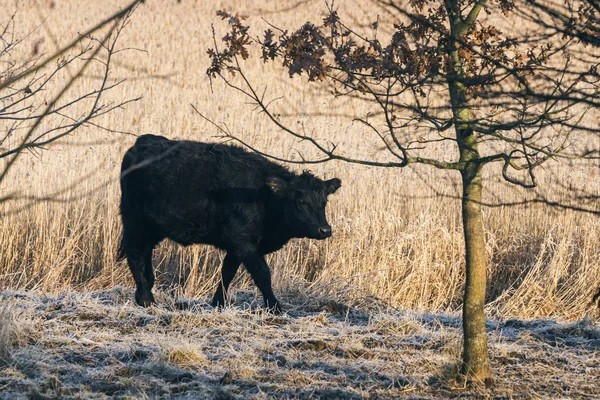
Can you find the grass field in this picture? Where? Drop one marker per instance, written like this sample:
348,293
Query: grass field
396,246
100,345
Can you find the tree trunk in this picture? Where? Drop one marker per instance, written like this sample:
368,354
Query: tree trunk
475,352
476,364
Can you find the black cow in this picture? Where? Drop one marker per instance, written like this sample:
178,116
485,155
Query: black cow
193,192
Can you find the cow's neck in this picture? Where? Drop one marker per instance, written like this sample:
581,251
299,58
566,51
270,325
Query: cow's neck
276,233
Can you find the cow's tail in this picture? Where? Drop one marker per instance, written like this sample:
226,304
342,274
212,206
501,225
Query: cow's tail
121,250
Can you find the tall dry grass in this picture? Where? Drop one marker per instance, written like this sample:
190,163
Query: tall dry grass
394,239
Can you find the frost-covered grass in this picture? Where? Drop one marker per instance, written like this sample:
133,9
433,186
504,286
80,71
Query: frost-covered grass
101,345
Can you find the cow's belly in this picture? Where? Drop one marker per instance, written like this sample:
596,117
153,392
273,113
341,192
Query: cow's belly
187,226
189,233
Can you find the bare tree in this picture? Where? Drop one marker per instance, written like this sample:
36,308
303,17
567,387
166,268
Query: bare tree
35,90
516,102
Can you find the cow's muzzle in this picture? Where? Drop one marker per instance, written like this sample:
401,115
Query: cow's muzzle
324,232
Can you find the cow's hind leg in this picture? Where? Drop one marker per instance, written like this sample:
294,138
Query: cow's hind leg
149,270
228,271
138,242
140,262
259,270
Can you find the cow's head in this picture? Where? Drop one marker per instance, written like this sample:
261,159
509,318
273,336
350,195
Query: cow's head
304,198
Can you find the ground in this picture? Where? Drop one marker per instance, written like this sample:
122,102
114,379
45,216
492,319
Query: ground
101,345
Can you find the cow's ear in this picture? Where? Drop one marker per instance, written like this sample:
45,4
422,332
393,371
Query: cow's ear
332,185
277,185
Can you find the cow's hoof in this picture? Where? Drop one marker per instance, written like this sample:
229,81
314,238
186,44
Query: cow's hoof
274,308
218,303
145,303
144,300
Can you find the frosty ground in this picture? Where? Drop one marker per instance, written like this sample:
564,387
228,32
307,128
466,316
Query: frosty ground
101,345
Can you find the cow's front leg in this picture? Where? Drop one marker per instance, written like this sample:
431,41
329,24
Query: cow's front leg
259,270
230,267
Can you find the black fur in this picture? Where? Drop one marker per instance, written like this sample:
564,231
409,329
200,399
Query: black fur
222,195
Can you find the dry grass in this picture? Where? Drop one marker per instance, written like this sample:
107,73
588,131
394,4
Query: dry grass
393,239
100,344
395,243
395,246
